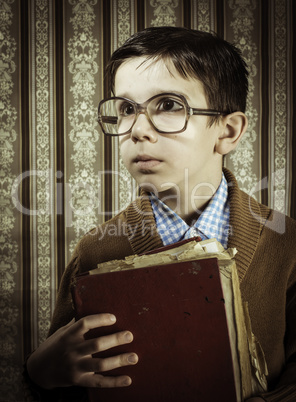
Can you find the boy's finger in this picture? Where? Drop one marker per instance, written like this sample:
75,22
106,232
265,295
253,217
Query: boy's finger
92,321
97,365
102,343
100,381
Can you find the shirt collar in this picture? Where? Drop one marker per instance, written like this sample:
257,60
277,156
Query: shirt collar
213,221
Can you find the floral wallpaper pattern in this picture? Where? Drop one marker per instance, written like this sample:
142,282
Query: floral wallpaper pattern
59,176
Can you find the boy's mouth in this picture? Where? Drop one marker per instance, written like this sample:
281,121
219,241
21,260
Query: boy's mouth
146,161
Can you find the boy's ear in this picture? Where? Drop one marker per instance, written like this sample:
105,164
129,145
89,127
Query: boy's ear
234,126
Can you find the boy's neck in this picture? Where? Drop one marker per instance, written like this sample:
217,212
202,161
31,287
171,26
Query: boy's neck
189,204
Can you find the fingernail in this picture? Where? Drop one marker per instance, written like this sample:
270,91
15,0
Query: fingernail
127,381
128,337
132,358
112,318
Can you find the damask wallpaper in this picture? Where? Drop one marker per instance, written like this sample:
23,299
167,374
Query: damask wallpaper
58,175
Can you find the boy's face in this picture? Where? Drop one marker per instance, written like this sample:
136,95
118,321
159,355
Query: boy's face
169,163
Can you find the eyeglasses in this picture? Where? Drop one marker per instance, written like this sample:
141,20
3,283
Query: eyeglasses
168,113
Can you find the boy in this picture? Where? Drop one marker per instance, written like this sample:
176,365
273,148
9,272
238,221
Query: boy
180,97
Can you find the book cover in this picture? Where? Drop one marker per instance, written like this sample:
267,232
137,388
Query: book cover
182,320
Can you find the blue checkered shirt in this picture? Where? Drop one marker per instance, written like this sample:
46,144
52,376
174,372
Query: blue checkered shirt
212,222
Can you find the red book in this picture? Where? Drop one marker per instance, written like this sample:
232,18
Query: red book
177,315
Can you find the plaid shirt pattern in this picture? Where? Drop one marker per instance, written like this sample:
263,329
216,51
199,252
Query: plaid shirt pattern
212,223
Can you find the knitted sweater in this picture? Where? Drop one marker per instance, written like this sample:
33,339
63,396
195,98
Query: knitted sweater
266,264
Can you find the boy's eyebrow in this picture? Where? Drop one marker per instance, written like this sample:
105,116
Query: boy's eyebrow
158,92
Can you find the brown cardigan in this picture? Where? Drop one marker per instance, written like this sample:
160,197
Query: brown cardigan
266,264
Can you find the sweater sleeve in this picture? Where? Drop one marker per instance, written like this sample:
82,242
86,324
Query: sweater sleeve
63,314
91,249
64,311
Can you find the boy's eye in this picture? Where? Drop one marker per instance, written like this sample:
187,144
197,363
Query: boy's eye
169,105
126,109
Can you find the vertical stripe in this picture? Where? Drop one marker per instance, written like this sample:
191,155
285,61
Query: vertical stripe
265,77
160,13
25,132
10,218
125,20
290,105
42,170
107,93
220,29
194,24
279,106
203,15
84,147
34,295
115,159
140,14
52,172
59,138
212,16
187,13
293,117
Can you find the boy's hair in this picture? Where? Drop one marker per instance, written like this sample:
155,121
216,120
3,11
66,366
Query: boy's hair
195,54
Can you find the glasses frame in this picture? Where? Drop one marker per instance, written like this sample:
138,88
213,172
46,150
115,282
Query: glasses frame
142,109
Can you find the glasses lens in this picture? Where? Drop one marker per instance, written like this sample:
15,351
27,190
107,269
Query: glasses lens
168,113
117,115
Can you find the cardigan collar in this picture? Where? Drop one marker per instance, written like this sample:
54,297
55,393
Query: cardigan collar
142,229
247,218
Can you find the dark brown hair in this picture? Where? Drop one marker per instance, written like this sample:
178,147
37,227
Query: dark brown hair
201,55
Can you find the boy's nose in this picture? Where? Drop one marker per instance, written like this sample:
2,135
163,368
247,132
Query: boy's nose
143,130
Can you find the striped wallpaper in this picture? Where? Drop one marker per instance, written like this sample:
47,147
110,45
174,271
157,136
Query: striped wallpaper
58,175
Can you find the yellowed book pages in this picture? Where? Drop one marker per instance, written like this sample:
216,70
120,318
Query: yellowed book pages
249,364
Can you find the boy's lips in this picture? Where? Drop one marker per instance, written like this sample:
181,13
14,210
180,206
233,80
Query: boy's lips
146,161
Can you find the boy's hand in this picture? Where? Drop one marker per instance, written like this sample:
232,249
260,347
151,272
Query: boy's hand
65,358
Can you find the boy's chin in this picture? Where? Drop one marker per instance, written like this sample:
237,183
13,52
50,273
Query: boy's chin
158,190
148,187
